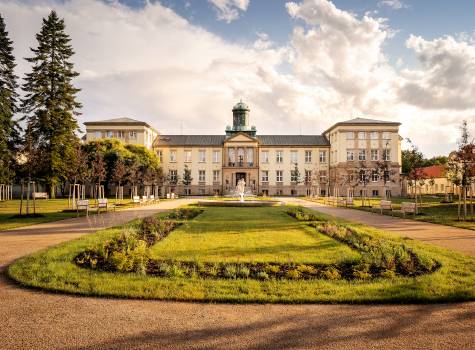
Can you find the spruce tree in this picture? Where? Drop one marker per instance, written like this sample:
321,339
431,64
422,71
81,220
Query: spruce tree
50,104
9,136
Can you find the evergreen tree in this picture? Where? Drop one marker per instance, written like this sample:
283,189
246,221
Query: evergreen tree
9,137
50,104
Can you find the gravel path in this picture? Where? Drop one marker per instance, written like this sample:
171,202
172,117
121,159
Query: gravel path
35,320
450,237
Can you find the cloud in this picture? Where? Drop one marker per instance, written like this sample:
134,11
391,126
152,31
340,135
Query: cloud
229,10
393,4
153,65
447,77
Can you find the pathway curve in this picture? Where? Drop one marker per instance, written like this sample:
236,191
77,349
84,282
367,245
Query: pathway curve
36,320
450,237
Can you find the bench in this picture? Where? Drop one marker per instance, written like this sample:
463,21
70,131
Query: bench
39,195
384,205
136,200
104,203
82,204
349,201
331,200
342,201
408,207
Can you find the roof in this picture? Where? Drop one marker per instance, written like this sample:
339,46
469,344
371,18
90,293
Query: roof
433,171
265,140
121,121
293,140
361,121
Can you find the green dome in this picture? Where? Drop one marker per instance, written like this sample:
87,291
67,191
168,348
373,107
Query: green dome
241,106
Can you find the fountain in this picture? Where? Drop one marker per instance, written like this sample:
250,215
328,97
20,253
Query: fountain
240,192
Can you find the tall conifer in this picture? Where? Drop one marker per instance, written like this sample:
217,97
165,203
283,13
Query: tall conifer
50,104
8,106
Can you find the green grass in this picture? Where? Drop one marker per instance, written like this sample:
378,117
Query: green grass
250,235
51,210
53,269
432,211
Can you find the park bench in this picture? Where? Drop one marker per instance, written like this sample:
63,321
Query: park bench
144,200
82,204
39,195
342,201
104,203
408,207
349,201
384,205
332,200
136,200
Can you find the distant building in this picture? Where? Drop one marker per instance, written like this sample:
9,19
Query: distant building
267,162
127,130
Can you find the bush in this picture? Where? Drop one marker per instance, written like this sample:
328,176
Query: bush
331,273
230,271
293,274
272,269
387,274
243,272
262,275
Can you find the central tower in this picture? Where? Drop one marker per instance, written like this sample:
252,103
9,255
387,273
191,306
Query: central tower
241,120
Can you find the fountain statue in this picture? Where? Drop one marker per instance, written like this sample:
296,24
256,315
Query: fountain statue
241,186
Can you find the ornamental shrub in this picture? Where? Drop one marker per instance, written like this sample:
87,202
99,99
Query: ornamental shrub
331,273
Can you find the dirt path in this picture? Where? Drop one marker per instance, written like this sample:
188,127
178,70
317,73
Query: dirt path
450,237
36,320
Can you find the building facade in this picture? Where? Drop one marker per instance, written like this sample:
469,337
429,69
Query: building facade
127,130
328,164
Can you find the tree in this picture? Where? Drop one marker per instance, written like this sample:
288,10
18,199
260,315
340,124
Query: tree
364,177
118,175
415,173
50,104
386,173
187,179
461,169
9,130
98,173
295,176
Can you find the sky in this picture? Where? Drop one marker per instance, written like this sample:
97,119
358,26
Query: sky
300,65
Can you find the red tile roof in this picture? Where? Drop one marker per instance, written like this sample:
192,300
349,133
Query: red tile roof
434,171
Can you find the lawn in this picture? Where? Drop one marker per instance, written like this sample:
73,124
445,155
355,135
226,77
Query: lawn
252,235
50,210
432,211
266,234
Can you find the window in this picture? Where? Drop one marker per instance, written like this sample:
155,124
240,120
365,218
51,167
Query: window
350,135
361,135
160,156
374,176
120,134
373,135
350,156
216,175
374,154
173,176
250,157
216,156
375,193
187,156
362,154
323,176
109,134
386,135
386,154
308,156
265,156
133,134
279,156
231,155
173,156
294,157
386,176
201,176
279,176
97,134
308,176
265,176
323,156
363,177
202,156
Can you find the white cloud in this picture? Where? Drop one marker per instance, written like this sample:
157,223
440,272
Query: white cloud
153,65
393,4
228,10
